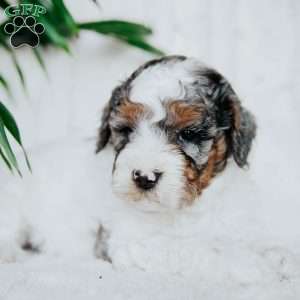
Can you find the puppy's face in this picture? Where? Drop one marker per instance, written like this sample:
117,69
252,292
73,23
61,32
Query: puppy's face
173,125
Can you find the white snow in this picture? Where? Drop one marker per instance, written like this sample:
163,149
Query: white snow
240,241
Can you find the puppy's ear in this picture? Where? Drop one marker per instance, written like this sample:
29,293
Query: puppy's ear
104,132
236,121
242,133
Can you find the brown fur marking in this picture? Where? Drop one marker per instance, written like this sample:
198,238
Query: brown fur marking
131,111
181,114
199,180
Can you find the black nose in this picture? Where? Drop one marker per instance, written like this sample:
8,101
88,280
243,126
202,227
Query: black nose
145,181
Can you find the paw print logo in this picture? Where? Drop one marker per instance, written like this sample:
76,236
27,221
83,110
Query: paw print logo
24,31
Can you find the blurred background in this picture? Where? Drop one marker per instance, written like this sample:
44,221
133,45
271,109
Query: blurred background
55,95
254,43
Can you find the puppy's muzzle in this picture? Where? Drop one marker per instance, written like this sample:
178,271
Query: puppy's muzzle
146,181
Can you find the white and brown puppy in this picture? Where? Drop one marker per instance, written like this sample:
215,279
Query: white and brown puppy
173,124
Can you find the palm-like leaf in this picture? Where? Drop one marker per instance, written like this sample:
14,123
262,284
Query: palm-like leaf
7,122
142,44
117,27
39,59
4,83
18,69
132,33
60,28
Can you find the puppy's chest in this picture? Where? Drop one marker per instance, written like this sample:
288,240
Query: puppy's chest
160,245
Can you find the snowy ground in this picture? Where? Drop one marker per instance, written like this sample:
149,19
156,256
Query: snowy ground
240,241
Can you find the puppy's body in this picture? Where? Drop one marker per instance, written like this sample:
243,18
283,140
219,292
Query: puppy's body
173,124
176,122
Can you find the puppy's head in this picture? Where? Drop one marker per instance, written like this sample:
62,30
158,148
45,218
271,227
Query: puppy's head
173,125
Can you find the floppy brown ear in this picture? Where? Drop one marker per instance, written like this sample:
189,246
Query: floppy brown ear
243,131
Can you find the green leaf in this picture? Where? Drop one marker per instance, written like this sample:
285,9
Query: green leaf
5,160
3,37
117,27
4,83
142,44
59,9
11,125
54,36
39,58
131,33
18,69
4,143
3,4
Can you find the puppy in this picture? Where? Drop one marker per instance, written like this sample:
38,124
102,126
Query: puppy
173,124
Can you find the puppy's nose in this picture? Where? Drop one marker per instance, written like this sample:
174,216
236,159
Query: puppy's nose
145,181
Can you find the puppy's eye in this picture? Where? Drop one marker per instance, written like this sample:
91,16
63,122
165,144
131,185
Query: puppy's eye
124,130
194,136
188,135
